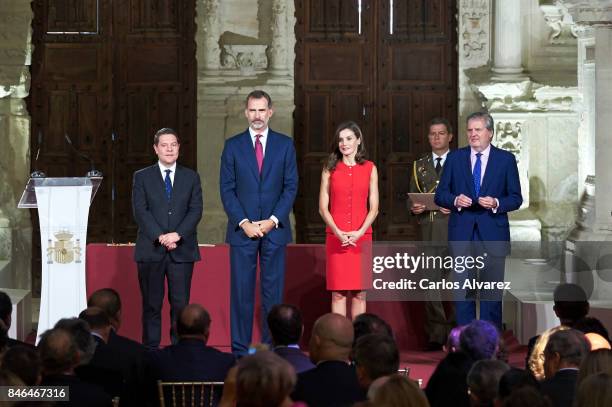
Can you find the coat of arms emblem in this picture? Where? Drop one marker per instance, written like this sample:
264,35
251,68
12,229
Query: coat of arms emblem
65,249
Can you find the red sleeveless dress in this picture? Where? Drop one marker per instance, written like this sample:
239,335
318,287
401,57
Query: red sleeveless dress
349,267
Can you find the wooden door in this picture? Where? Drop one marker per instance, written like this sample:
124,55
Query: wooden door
389,65
108,74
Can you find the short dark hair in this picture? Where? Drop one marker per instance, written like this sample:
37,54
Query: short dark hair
285,324
58,350
440,120
377,354
571,345
480,340
486,117
165,130
483,379
193,319
24,362
95,317
368,323
107,299
571,303
258,94
80,331
513,380
6,306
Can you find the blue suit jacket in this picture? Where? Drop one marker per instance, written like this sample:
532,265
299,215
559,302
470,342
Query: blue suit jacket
501,181
247,195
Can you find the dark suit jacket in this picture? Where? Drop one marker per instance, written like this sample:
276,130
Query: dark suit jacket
296,357
81,393
155,215
247,195
501,181
561,388
189,360
330,384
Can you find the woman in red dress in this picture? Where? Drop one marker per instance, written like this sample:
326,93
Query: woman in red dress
348,203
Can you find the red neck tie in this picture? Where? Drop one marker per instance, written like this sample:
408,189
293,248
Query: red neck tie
259,152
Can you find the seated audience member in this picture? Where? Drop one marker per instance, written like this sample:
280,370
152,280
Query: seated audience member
526,396
452,342
598,361
588,325
447,386
286,327
375,355
595,391
190,359
263,380
333,381
483,381
535,360
562,357
59,355
23,362
398,391
597,341
512,380
368,323
480,340
79,329
6,311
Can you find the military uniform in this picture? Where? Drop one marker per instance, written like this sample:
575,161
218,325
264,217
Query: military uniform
433,226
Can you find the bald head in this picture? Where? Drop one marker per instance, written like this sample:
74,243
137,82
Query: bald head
108,300
332,338
193,321
58,351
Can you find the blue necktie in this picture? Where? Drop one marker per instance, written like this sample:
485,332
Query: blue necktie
476,174
168,183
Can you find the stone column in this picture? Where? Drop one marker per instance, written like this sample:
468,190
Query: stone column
507,48
211,28
278,51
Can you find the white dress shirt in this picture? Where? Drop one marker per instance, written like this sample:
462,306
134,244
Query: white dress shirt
163,169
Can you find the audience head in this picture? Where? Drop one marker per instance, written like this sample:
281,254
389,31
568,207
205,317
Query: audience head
526,396
597,341
571,303
598,361
6,309
375,355
263,380
193,322
479,340
588,325
368,323
285,324
512,380
98,321
398,391
58,352
23,362
595,391
452,342
483,381
109,300
79,329
565,349
536,359
331,338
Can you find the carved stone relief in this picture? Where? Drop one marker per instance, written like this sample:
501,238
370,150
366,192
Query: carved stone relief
560,23
509,136
474,28
248,59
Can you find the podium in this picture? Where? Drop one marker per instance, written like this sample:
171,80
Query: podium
63,209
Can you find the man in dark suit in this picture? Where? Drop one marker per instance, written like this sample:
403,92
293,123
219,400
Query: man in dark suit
6,312
60,356
333,382
562,357
480,183
167,203
286,327
258,181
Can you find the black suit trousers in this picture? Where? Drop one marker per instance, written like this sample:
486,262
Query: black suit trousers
151,277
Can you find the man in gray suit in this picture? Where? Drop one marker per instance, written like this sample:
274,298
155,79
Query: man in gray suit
167,203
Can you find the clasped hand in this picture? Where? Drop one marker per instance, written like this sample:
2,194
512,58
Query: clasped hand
257,229
169,240
486,202
348,238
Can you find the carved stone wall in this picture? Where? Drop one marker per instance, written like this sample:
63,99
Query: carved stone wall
241,46
15,227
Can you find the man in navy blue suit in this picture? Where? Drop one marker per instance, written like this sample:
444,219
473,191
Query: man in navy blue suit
480,184
258,181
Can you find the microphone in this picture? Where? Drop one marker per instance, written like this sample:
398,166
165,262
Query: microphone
92,173
36,173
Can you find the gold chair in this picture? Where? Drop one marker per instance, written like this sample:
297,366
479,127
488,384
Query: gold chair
192,394
404,371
